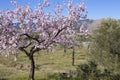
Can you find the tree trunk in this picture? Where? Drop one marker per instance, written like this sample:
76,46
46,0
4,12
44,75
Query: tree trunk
73,56
64,49
32,69
16,55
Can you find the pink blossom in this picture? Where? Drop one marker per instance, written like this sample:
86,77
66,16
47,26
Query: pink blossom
46,3
19,26
4,46
14,45
27,9
81,7
14,3
69,4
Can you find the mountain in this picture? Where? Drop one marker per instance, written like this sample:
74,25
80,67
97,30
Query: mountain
90,24
93,24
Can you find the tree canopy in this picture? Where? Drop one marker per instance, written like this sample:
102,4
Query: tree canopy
106,42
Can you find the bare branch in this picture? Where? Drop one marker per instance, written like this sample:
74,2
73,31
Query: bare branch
36,50
59,32
32,49
27,45
30,37
23,50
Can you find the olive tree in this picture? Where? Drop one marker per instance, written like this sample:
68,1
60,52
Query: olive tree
106,43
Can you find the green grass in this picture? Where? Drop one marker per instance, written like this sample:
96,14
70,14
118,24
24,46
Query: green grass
46,64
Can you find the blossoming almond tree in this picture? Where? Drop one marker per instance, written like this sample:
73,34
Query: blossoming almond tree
24,28
69,38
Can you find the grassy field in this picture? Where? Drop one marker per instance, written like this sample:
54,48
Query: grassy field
46,64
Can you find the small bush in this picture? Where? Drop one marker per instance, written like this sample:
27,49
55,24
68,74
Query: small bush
88,71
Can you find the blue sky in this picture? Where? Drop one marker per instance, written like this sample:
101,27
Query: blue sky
97,9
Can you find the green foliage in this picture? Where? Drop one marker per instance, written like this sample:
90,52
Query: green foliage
88,71
106,43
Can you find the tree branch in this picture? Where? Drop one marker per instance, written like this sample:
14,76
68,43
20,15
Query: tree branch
60,30
30,37
23,50
27,45
32,49
36,50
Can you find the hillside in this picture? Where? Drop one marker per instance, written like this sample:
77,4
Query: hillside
90,24
94,24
